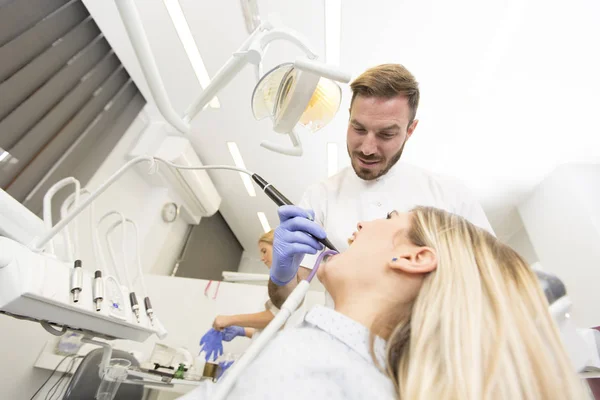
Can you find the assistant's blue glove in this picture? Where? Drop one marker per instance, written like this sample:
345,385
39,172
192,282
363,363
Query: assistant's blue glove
212,344
233,331
292,241
224,365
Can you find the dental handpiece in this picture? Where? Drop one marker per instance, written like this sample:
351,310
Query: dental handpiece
281,200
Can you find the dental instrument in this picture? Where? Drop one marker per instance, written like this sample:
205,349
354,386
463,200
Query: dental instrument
98,290
279,199
76,281
98,284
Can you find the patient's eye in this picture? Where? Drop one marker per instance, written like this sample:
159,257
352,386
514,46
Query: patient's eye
391,214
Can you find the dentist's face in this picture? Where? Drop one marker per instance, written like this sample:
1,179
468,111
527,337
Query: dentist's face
377,131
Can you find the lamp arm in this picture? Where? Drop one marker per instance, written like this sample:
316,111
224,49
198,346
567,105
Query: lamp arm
141,46
296,150
290,36
227,72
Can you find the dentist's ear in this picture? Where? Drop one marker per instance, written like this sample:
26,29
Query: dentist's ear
419,260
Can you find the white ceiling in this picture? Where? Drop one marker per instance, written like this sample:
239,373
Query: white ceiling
509,90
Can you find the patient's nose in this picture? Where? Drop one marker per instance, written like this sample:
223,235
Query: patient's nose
359,226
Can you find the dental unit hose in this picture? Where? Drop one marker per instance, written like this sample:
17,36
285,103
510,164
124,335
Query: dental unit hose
287,309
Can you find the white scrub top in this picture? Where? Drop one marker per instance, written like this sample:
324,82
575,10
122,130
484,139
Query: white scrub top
343,200
326,358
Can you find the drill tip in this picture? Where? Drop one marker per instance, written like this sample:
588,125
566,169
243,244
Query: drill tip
98,304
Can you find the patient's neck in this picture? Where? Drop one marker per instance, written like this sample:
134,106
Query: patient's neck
366,310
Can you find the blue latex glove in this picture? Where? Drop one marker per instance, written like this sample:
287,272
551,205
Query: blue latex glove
233,331
292,241
224,366
212,344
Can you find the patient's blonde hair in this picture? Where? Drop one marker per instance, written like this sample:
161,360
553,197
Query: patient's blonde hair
480,326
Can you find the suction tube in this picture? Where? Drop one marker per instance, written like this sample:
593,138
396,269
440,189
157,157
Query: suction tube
291,304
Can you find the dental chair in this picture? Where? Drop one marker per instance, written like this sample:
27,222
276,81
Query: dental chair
86,379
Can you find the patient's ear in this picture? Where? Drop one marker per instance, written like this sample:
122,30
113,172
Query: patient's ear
416,260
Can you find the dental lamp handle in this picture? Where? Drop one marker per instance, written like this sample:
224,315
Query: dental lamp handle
322,69
295,151
227,72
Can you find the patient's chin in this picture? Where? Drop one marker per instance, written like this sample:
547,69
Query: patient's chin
329,269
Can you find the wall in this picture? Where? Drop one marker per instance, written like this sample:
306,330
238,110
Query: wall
251,264
562,218
521,243
21,340
212,248
518,238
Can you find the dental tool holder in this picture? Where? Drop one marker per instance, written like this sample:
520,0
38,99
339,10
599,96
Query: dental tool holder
133,377
37,287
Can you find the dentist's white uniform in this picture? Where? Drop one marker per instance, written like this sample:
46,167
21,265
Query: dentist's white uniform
343,200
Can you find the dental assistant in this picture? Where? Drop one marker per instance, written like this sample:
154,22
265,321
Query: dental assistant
228,327
382,119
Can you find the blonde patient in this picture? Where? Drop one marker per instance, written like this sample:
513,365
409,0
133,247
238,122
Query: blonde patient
427,306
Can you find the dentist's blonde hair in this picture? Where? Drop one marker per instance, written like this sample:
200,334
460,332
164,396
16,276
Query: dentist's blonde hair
480,326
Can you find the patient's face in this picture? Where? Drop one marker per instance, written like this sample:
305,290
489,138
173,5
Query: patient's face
366,261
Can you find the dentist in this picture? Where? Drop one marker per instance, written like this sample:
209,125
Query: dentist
382,119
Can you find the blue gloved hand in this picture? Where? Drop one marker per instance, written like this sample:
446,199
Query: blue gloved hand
224,366
212,344
233,331
292,241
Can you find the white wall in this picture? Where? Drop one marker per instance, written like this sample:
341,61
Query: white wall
511,231
521,243
251,264
21,340
562,218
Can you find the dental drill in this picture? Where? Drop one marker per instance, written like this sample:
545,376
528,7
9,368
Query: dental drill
281,200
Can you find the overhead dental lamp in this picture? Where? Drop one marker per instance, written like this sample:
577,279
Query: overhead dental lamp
297,95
